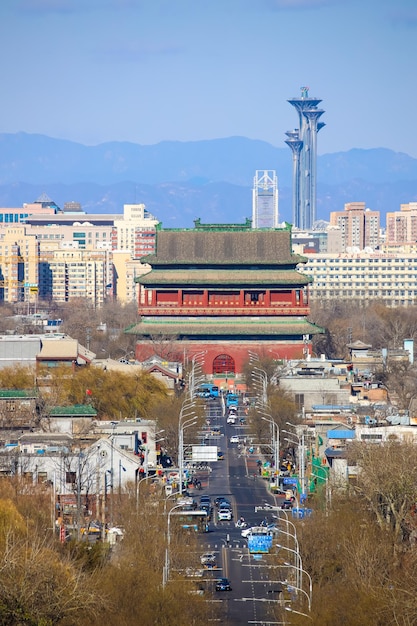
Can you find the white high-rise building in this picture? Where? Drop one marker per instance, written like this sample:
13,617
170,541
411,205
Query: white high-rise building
265,199
135,231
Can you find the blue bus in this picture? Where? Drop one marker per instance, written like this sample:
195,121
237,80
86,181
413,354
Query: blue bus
232,400
208,390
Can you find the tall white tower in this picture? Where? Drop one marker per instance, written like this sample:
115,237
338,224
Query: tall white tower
265,199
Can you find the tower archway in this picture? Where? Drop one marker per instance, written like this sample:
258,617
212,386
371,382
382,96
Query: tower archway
224,364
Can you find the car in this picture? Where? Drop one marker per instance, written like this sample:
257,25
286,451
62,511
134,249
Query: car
257,530
208,559
223,584
234,439
224,515
220,455
224,503
219,499
231,419
205,500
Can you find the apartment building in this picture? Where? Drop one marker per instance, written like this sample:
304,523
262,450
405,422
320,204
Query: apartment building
19,256
126,271
86,274
359,226
401,226
386,276
68,254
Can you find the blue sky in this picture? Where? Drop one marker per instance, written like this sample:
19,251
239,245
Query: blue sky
147,71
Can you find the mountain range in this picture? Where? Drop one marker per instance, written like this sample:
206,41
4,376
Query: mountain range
181,181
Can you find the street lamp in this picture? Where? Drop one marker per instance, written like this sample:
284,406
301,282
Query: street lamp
294,536
288,608
328,490
194,381
121,468
290,587
298,566
113,424
138,483
301,455
182,426
275,445
262,378
165,571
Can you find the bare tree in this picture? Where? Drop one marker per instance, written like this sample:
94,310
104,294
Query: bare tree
387,482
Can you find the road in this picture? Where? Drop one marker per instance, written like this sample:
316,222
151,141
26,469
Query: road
254,593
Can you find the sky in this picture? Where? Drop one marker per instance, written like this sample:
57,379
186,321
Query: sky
146,71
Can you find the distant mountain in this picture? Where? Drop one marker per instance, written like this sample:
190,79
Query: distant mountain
179,182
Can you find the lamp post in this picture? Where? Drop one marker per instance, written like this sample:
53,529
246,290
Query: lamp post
301,455
298,565
304,592
288,608
114,424
328,490
121,469
193,380
188,405
275,445
138,483
182,426
165,572
293,536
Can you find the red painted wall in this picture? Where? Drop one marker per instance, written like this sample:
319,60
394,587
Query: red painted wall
181,351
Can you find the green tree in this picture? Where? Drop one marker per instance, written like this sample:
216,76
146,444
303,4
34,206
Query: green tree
113,394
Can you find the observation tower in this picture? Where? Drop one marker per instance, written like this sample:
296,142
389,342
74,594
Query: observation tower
303,144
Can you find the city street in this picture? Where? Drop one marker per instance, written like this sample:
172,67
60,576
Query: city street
254,590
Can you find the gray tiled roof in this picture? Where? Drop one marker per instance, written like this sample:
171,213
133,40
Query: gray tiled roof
254,247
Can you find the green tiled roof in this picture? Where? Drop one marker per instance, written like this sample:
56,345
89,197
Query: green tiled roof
76,410
252,277
217,326
18,393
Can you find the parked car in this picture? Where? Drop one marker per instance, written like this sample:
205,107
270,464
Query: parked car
223,584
